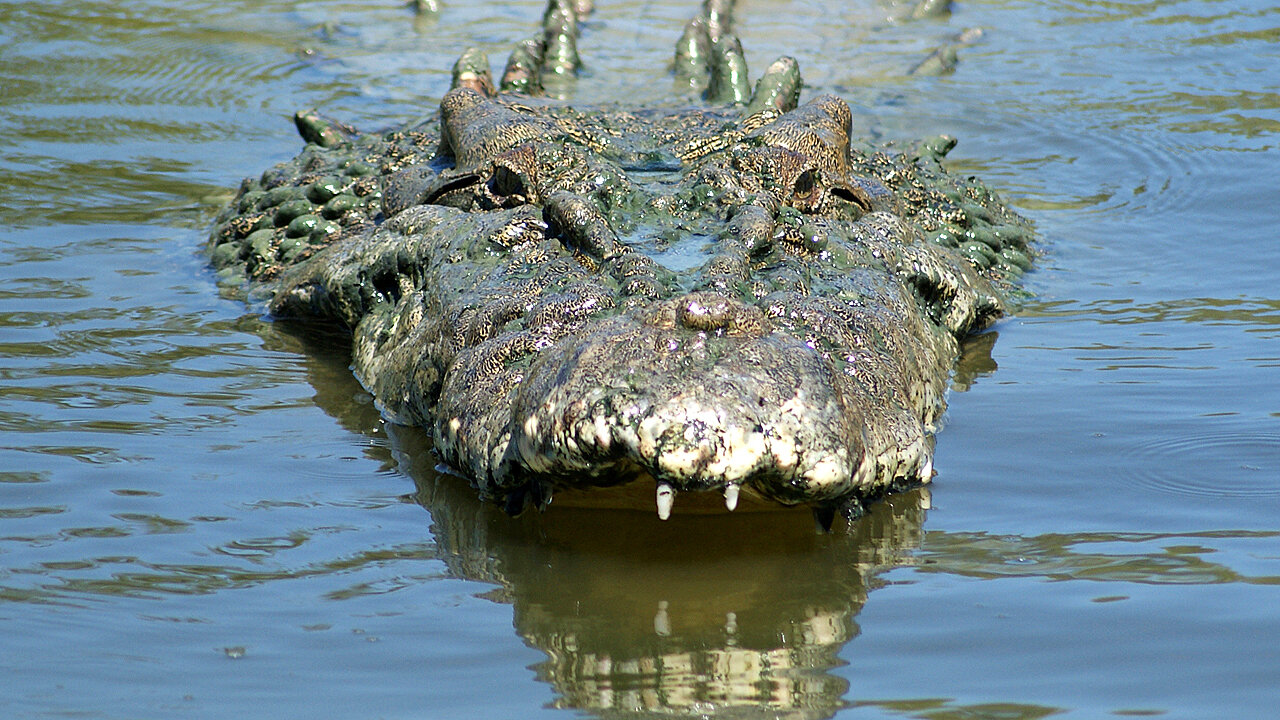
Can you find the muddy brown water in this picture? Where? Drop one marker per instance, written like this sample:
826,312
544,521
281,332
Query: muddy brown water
203,516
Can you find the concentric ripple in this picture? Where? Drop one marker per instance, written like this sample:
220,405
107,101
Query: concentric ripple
1214,465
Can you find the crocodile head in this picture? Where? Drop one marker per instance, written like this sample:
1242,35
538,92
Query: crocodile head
746,302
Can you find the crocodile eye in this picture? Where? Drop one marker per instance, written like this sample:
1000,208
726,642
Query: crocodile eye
806,187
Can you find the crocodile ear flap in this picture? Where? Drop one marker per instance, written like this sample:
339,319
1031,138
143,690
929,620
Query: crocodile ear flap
868,194
446,184
853,194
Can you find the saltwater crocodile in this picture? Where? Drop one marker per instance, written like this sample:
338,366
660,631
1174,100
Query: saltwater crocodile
741,297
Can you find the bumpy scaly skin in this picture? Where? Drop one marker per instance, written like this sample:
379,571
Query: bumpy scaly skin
696,297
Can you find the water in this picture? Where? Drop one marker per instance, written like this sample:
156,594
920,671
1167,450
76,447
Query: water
202,515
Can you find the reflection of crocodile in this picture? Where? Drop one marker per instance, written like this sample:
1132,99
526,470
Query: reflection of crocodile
741,298
742,616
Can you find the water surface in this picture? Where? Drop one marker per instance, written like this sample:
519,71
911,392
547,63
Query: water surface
202,515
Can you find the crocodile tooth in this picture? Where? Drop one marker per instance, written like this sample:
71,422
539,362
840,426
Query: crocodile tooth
666,498
731,496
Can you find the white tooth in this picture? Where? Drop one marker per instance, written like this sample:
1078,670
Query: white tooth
926,473
731,496
666,498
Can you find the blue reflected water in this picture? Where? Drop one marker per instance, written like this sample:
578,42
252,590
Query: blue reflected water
202,514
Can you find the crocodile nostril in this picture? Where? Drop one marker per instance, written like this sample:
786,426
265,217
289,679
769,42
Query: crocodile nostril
805,192
806,185
505,182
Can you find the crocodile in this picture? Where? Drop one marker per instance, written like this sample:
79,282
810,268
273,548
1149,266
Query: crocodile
735,295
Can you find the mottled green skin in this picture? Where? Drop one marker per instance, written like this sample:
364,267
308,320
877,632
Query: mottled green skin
577,298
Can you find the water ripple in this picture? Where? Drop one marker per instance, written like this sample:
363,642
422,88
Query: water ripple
1149,558
1254,314
1221,464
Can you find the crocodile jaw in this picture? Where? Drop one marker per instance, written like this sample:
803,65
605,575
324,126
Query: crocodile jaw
691,410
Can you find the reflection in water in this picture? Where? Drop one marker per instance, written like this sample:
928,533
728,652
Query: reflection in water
975,360
704,614
943,709
1148,558
1254,314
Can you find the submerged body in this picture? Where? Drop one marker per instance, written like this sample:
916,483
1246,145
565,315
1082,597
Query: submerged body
740,299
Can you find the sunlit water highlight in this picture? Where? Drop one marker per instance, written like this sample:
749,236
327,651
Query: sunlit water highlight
202,514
